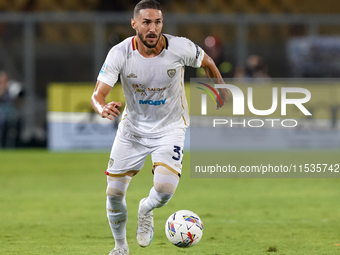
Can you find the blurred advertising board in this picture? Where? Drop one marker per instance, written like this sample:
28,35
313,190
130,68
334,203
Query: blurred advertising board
71,121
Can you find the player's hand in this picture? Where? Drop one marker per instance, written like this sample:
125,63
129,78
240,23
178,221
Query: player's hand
110,110
224,95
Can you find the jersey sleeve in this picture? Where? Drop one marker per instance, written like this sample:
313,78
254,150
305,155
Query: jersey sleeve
112,67
192,53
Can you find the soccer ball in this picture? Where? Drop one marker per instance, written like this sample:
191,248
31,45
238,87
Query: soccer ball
184,228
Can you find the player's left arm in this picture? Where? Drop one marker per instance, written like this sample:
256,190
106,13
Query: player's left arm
214,74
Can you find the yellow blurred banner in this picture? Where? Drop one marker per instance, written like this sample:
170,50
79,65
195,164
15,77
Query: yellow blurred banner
75,97
325,98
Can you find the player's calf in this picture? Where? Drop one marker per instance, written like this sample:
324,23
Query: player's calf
165,183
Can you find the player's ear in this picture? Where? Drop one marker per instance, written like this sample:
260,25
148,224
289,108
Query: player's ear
133,23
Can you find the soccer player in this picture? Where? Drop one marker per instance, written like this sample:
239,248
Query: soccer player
155,118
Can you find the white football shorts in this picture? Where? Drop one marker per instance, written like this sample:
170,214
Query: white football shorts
129,152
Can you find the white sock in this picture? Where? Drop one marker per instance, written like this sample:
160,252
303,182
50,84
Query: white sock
117,216
165,184
116,209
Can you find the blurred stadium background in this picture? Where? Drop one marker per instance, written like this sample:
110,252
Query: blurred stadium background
49,41
51,52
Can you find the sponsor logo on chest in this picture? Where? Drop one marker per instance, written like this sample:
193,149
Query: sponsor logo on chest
151,102
131,75
140,89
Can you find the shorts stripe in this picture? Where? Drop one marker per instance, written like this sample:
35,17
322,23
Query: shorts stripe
168,167
134,172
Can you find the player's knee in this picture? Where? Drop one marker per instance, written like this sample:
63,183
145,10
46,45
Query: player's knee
117,186
165,184
115,193
165,188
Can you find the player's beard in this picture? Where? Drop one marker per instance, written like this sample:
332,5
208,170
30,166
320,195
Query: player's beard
146,43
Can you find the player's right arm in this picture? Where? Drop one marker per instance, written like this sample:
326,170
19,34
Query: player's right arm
107,78
106,110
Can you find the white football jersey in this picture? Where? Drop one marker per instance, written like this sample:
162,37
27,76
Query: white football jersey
153,87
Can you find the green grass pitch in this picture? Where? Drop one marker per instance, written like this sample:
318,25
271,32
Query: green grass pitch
54,203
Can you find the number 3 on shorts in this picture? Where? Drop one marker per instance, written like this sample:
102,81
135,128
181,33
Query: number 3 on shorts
178,150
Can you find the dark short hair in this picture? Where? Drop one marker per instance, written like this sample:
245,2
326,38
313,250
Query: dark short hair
146,4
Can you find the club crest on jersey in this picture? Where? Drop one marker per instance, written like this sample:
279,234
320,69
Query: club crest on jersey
139,88
171,72
111,161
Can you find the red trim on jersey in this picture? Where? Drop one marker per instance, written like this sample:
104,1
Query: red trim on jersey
134,43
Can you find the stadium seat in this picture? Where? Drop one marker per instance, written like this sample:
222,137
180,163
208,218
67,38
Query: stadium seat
52,33
47,5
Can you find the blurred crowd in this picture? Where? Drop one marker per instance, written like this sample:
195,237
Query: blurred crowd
254,68
181,6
